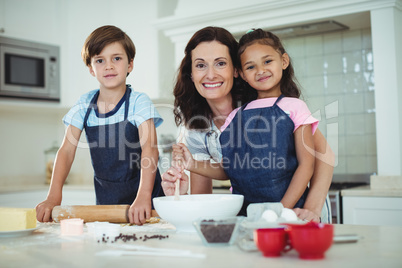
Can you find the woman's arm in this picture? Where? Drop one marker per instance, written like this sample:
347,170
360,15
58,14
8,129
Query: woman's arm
62,165
305,156
169,178
200,184
182,157
321,180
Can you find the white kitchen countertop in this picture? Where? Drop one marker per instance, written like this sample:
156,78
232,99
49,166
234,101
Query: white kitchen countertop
379,246
367,191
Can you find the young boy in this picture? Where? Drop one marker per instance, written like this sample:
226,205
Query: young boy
120,128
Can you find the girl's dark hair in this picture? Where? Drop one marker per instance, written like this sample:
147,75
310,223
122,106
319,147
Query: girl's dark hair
190,107
289,85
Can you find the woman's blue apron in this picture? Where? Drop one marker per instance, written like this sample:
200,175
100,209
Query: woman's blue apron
116,159
258,154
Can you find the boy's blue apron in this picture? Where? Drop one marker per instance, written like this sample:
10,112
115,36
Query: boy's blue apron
116,159
258,154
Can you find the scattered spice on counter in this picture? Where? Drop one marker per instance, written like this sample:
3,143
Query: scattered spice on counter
217,232
133,237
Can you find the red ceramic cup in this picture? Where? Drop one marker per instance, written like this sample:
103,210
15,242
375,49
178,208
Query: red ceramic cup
311,240
271,241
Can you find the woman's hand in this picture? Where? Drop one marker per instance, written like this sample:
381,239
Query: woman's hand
182,157
307,215
169,178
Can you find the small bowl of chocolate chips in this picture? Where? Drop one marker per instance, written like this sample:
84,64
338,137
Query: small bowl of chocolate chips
218,231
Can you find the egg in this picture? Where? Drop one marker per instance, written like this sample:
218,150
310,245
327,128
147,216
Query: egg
288,215
269,215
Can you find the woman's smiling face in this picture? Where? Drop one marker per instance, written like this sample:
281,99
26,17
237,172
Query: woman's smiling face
212,70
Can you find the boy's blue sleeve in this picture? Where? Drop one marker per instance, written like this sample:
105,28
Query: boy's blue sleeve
143,109
75,116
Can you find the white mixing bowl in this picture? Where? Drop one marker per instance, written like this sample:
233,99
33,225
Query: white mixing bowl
181,213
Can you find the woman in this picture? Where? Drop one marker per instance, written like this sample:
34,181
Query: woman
207,90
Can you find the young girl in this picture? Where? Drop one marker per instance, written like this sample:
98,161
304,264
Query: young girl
120,128
267,144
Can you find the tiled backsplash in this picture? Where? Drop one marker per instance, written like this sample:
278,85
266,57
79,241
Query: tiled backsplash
336,73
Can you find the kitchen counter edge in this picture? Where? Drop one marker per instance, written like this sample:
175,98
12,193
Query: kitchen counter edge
369,192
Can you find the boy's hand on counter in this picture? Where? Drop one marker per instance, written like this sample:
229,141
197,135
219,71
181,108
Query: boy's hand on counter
44,210
140,210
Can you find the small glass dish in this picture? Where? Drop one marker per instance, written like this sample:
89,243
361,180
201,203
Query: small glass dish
218,231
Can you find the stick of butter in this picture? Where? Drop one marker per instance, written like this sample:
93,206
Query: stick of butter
13,219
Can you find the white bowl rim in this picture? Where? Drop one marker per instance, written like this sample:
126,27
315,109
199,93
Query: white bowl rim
203,197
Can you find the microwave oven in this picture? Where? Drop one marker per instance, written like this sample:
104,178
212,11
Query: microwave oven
29,70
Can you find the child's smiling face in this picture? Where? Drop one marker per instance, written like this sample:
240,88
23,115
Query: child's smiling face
262,68
111,66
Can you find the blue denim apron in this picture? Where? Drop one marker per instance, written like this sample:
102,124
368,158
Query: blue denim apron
116,159
258,154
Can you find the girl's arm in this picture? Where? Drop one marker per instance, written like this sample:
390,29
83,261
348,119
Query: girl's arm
321,180
305,156
183,158
140,210
62,165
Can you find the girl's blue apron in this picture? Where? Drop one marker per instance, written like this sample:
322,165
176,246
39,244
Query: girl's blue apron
116,159
258,154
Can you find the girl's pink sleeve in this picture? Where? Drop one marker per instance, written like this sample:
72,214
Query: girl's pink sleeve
300,114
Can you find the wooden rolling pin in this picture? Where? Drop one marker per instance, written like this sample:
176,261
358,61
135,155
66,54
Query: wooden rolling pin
109,213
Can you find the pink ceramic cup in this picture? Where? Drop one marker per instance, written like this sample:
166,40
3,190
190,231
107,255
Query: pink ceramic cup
271,241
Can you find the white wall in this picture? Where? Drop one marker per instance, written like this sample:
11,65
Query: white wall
85,16
387,43
336,73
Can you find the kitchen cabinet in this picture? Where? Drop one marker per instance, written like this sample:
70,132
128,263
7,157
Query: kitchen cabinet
366,206
35,22
372,210
2,12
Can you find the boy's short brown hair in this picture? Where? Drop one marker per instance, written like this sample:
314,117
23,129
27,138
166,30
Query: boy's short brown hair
103,36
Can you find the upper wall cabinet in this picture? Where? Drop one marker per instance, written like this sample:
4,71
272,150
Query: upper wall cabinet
30,21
